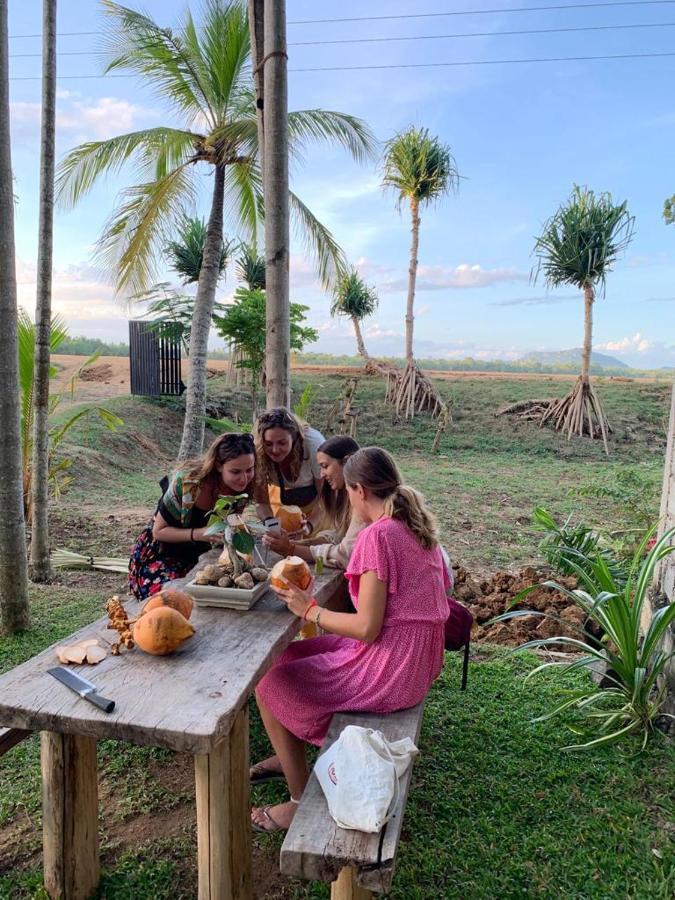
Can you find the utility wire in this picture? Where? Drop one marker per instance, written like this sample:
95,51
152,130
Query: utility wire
434,65
417,37
464,12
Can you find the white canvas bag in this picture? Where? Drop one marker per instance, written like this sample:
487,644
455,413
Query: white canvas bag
359,775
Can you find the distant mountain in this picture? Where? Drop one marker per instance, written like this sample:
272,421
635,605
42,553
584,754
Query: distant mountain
565,357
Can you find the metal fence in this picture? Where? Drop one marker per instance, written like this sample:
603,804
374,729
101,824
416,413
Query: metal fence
154,361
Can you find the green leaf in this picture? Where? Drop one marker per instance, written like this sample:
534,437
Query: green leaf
243,542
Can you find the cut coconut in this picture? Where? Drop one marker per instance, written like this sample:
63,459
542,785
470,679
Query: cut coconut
75,654
95,654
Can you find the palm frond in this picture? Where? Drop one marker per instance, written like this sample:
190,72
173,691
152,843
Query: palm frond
141,227
581,242
352,297
336,128
82,166
244,199
319,242
224,52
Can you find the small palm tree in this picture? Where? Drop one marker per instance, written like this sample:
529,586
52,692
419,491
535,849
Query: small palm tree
186,253
250,268
353,298
579,245
421,170
203,72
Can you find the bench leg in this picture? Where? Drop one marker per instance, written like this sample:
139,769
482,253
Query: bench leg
223,817
346,887
69,815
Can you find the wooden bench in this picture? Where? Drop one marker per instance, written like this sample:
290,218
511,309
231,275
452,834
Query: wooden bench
357,864
10,737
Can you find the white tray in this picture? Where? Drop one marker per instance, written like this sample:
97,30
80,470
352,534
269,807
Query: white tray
228,598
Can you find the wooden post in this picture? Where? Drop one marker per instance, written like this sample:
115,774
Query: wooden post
346,886
69,815
223,817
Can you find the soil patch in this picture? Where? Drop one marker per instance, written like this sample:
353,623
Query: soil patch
102,372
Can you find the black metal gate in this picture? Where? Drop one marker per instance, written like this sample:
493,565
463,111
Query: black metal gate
154,361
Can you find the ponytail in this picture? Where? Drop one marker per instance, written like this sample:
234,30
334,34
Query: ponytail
407,505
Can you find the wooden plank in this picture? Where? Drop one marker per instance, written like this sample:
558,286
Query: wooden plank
10,737
186,701
346,887
69,815
667,515
223,810
316,849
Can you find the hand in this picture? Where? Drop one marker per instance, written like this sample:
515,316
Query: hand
296,600
280,544
200,534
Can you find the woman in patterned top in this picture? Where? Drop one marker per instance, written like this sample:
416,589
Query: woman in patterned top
173,540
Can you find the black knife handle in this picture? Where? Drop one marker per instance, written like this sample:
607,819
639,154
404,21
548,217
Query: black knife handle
102,703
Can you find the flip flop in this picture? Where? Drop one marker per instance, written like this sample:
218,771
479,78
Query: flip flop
274,826
260,774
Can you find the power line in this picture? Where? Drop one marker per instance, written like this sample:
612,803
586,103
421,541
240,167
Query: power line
434,65
419,37
463,12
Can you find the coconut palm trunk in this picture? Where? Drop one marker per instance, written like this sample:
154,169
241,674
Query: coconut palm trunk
589,297
14,608
412,279
39,545
195,400
359,339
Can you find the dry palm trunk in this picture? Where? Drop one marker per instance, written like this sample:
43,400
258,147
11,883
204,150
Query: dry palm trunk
195,403
412,278
39,546
359,339
14,608
580,412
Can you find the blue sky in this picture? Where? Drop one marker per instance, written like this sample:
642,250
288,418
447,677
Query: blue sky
521,134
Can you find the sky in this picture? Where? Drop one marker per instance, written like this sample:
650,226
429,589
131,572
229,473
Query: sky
522,135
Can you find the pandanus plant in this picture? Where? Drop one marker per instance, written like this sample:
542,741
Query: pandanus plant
633,689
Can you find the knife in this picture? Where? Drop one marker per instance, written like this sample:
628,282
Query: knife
81,686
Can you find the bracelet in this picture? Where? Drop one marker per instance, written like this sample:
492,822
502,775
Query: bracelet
192,535
310,605
318,617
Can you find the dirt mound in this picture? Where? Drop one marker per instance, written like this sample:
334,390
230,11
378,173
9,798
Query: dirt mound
101,372
493,596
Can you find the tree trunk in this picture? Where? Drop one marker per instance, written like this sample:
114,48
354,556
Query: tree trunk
256,24
13,575
39,545
278,331
412,277
359,339
195,397
589,297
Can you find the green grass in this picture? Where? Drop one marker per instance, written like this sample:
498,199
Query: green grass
497,809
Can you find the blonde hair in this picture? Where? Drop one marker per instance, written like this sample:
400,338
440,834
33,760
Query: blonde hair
221,450
279,417
374,469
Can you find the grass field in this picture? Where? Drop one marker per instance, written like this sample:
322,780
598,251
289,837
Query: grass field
497,808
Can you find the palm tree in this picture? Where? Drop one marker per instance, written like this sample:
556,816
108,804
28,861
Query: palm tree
421,170
352,297
41,569
14,608
579,245
205,74
186,253
250,268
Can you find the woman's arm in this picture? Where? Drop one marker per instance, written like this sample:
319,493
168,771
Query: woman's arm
169,534
364,625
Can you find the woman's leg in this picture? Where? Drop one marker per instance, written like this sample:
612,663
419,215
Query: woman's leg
290,751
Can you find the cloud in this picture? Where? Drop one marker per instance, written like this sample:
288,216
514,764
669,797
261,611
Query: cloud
660,300
641,352
100,118
634,344
464,276
543,300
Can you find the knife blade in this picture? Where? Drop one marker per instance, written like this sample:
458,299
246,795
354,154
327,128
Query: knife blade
81,686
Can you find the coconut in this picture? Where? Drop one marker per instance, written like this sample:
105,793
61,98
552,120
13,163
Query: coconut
290,518
292,569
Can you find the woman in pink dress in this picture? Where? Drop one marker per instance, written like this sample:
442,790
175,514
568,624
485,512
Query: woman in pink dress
382,658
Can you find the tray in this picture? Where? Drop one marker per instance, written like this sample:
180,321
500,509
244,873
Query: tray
227,598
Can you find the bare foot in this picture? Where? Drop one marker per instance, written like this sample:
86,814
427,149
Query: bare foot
273,818
270,766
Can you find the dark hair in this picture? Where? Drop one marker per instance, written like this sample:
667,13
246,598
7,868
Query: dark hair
336,503
374,469
221,450
279,417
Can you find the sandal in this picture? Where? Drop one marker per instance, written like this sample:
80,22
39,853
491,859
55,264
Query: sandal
274,825
260,774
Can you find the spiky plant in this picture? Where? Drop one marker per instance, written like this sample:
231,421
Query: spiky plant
353,298
579,246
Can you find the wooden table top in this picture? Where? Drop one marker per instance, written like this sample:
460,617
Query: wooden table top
186,701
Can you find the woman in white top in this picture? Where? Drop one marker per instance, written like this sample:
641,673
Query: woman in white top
286,458
334,545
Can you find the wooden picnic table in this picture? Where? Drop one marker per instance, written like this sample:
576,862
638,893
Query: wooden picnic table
193,701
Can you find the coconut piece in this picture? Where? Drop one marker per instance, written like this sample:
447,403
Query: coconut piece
225,581
88,642
245,581
259,574
75,654
61,654
95,654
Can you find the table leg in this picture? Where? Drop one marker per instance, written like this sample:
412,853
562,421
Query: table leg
223,817
69,815
346,887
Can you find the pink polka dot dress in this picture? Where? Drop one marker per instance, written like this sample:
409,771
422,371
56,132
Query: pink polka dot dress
318,677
